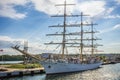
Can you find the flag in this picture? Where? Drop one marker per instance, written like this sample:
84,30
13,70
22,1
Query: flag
1,50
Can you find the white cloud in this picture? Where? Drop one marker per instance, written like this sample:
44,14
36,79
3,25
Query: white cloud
118,1
109,10
113,47
110,29
6,38
7,8
48,6
116,27
7,42
92,8
107,13
89,7
112,16
34,47
114,44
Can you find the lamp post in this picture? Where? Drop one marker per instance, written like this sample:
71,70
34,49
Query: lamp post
1,50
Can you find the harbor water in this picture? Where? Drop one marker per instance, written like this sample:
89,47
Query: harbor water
105,72
10,62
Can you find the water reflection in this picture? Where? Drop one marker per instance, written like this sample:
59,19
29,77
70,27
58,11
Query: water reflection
35,77
107,72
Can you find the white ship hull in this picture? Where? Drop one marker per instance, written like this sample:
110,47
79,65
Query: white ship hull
54,68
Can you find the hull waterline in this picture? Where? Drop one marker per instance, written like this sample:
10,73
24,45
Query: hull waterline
56,68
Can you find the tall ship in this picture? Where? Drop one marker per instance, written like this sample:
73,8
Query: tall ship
63,62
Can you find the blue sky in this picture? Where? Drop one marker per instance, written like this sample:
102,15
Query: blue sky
29,20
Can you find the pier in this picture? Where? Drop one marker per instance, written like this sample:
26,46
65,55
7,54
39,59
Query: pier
21,72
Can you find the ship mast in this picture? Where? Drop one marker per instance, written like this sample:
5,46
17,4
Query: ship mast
64,27
82,34
92,37
64,31
81,44
64,34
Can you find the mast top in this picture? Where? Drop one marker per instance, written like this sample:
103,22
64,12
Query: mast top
64,4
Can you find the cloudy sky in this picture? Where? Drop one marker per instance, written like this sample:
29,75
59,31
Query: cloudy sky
29,20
